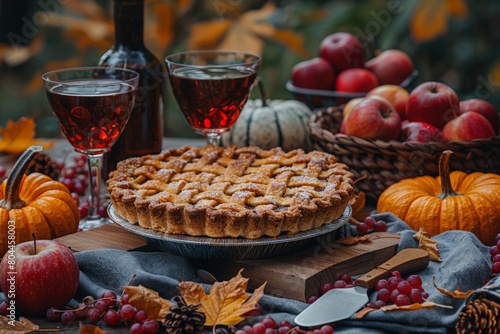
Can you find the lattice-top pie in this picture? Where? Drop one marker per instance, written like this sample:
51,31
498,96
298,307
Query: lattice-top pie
231,192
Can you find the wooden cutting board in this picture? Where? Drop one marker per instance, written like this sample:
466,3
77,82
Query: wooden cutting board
300,274
296,276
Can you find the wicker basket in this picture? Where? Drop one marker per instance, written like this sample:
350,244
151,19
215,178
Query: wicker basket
383,163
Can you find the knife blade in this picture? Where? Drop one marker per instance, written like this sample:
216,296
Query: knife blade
338,304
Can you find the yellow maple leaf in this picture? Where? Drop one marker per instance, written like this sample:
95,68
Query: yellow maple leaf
18,136
430,18
227,301
148,300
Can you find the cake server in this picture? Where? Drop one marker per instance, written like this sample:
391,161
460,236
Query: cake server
338,304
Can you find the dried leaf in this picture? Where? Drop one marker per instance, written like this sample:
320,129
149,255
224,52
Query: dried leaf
23,325
90,329
426,243
458,293
364,311
415,306
149,301
205,35
18,136
226,302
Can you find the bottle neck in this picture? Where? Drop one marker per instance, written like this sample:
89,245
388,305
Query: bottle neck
129,23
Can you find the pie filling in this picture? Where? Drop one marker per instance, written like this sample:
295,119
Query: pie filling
231,192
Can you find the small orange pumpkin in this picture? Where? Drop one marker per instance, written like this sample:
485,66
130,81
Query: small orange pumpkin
450,201
34,204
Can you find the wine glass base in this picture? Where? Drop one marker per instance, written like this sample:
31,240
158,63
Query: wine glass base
90,223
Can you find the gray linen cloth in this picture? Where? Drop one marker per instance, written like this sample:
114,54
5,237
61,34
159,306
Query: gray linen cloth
466,265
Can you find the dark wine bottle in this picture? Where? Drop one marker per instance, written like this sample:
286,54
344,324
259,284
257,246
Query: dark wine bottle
144,131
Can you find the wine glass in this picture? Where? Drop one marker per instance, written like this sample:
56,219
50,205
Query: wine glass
92,106
211,87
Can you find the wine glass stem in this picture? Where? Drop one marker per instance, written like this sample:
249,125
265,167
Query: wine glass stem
213,139
94,166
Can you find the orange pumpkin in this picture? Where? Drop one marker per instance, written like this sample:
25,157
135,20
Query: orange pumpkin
451,201
34,204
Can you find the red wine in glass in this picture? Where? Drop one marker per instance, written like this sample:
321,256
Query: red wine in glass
92,115
211,98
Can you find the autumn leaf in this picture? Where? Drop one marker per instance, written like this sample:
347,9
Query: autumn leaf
414,306
90,329
23,325
426,243
18,136
458,294
430,18
149,301
226,302
246,32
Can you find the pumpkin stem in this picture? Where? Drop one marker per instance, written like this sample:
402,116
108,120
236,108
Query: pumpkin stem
262,91
444,173
13,185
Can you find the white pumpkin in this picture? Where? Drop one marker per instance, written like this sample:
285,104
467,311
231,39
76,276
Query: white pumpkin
277,123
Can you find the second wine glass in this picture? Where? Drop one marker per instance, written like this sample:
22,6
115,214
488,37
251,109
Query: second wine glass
211,87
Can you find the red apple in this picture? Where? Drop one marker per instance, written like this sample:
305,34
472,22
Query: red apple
315,73
36,281
422,132
373,118
391,67
468,126
355,80
343,50
396,95
432,102
484,108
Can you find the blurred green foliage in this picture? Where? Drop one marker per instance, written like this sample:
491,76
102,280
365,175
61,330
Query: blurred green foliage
465,55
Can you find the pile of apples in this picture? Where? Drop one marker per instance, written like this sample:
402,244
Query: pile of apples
432,112
341,66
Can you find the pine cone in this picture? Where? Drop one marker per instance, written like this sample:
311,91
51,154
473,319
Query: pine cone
42,163
184,319
479,316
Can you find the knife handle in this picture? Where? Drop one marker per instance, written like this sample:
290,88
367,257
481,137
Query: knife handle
407,260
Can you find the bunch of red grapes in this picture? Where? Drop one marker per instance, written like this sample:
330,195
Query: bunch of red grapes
269,326
370,224
495,256
394,290
113,311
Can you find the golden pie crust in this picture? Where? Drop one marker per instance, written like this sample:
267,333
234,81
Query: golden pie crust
231,192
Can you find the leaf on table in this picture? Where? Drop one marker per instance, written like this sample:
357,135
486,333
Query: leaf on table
23,325
16,137
364,311
412,307
227,301
148,300
90,329
458,293
426,243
